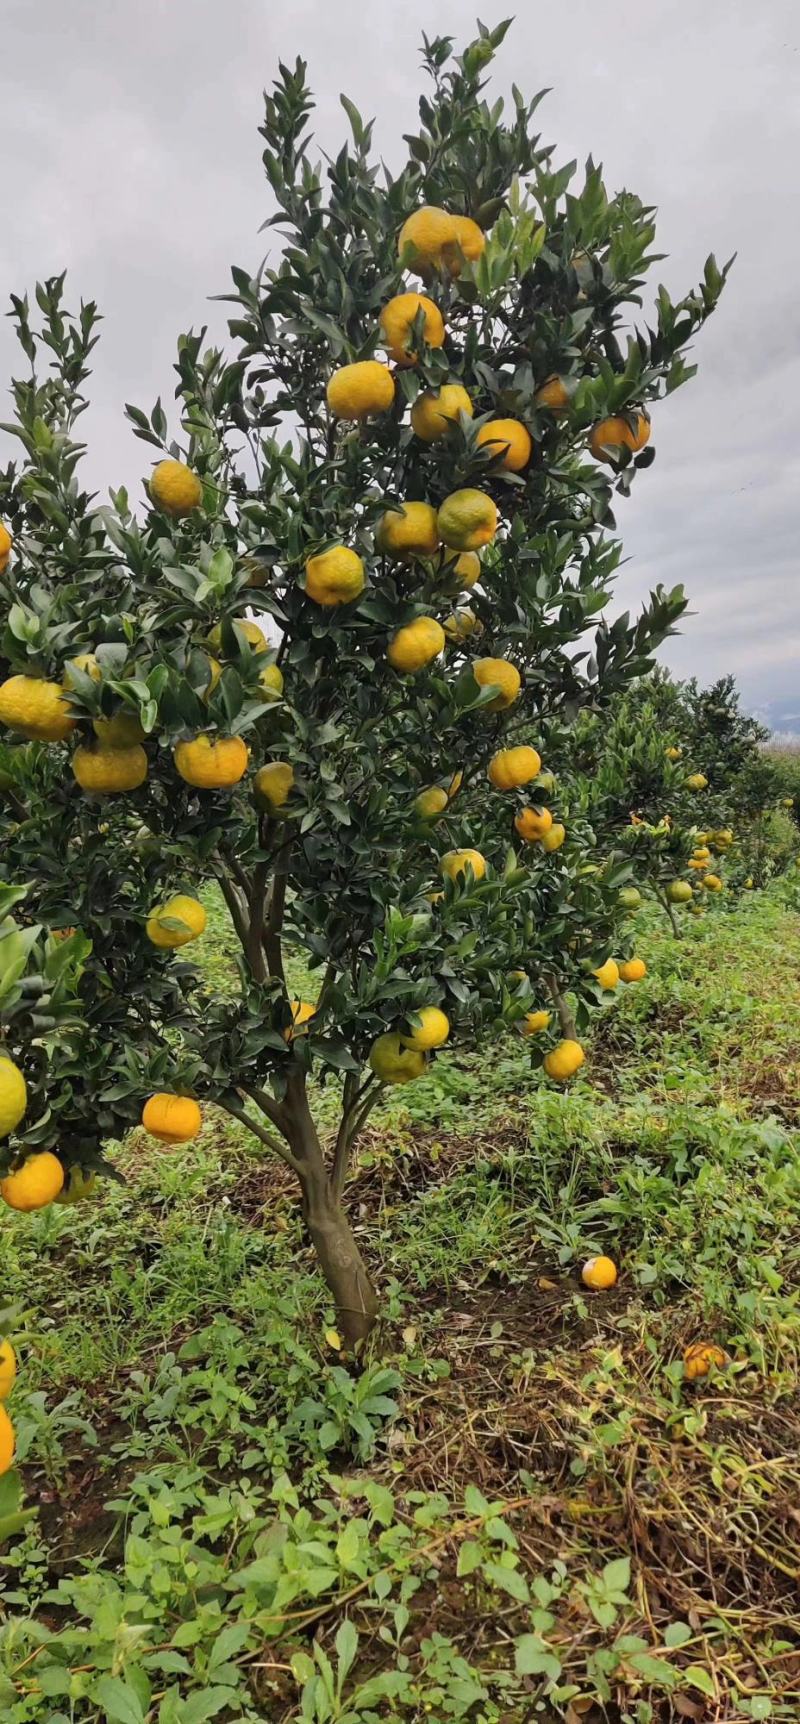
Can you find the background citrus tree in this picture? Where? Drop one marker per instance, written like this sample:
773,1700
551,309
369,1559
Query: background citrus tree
349,780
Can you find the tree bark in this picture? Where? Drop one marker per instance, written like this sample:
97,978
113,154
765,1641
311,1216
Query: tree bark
341,1263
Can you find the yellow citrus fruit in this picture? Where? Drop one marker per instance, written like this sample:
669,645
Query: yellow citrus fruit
461,570
434,411
302,1012
554,837
699,862
607,975
599,1272
633,970
553,394
498,673
35,708
212,762
35,1184
564,1060
614,433
254,635
7,1442
673,753
712,883
534,1023
271,682
107,771
392,1062
423,237
513,766
699,1357
433,1029
701,853
397,321
467,519
335,577
454,864
8,1369
175,488
724,837
748,885
13,1095
78,1187
509,439
431,802
455,784
273,784
86,662
461,624
678,891
6,542
467,246
696,781
121,731
187,911
414,646
408,531
171,1118
358,391
533,823
214,674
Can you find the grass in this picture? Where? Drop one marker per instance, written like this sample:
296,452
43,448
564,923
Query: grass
519,1509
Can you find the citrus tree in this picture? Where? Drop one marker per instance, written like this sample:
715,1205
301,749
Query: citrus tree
405,465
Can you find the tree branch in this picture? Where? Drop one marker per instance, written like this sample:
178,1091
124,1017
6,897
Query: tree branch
268,1105
565,1018
235,908
352,1123
272,932
256,944
282,1150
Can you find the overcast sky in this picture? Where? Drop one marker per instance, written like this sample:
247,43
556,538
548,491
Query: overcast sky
131,157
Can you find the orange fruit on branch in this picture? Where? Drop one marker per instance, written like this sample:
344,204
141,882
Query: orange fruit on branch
171,1118
361,390
35,1184
175,488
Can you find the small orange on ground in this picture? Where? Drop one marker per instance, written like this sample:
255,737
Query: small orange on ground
564,1060
35,1184
8,1369
408,531
175,488
432,1030
699,1357
633,970
534,1023
171,1118
501,674
433,413
608,975
415,645
454,864
511,767
553,394
423,237
212,762
335,577
615,433
509,439
7,1442
109,771
361,390
467,520
599,1272
554,838
533,823
397,322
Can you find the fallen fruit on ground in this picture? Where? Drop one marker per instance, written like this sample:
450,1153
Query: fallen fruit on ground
599,1272
700,1356
35,1184
171,1118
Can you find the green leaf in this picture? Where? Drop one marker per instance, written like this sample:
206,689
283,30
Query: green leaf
119,1702
204,1705
533,1657
699,1678
677,1634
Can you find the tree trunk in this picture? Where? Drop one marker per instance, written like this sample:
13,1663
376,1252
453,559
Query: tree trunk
338,1255
341,1263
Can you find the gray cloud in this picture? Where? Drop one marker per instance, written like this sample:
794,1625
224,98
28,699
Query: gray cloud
136,164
